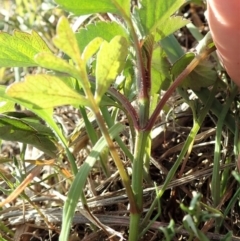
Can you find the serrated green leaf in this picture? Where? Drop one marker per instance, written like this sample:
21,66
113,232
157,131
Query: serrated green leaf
202,76
35,41
45,114
167,27
91,48
50,61
110,62
45,91
80,180
36,134
104,30
66,40
82,7
19,49
155,16
151,12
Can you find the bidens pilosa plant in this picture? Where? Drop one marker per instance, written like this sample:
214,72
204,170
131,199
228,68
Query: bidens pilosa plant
122,62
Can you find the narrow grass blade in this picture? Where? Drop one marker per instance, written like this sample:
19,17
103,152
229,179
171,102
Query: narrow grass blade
216,164
79,182
191,136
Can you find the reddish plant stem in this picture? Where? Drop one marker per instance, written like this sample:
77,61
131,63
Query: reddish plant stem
175,84
126,105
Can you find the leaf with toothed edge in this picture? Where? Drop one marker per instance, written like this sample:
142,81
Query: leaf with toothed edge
66,41
202,76
156,17
82,7
104,30
45,91
110,62
19,49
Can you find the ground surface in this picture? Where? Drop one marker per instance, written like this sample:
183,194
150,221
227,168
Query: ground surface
39,218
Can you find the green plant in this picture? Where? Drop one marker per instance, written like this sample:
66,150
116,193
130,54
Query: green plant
108,63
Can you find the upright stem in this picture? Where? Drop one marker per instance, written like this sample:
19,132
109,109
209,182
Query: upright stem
96,110
137,180
114,154
118,162
141,135
141,78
